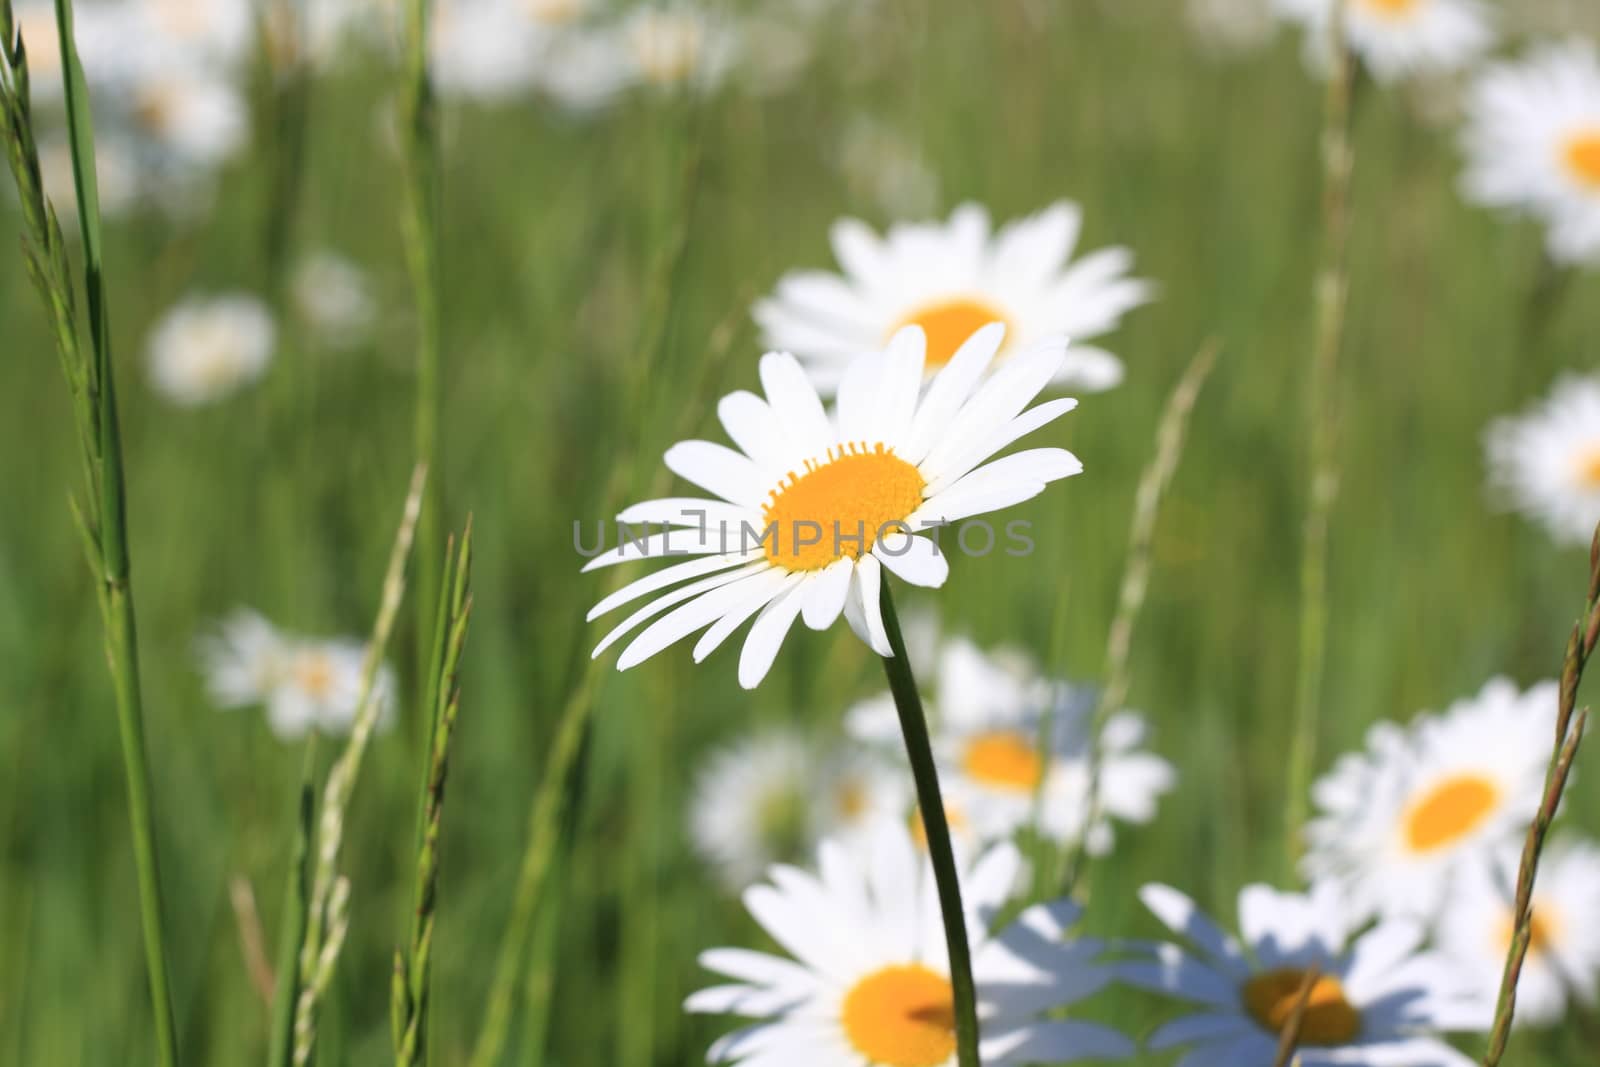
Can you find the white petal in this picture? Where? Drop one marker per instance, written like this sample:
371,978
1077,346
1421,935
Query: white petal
1035,417
751,426
678,572
687,619
1055,1041
766,636
756,596
827,592
677,596
915,559
864,594
718,469
950,389
795,404
691,512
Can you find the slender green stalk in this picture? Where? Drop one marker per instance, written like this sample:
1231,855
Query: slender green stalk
936,826
297,905
103,525
1153,485
1332,286
413,965
328,913
1570,725
419,126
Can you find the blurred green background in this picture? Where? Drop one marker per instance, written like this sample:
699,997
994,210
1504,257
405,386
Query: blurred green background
558,266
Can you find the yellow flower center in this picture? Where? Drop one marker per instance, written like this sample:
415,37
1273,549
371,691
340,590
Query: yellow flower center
919,833
313,673
852,799
1329,1019
901,1016
839,507
1582,154
1450,811
1393,8
1004,759
1542,932
1589,467
949,323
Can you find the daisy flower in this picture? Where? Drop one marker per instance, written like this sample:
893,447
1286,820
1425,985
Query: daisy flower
990,709
196,117
868,984
1533,144
1563,961
883,167
949,279
1396,39
811,507
1398,822
1546,463
678,46
1377,1000
334,299
304,683
772,796
206,349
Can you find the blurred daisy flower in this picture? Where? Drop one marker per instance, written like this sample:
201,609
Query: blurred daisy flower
1230,27
196,118
869,977
1397,39
991,709
1563,962
949,279
672,47
885,169
1398,822
304,683
810,508
333,298
1533,144
1375,1000
208,348
772,796
1546,463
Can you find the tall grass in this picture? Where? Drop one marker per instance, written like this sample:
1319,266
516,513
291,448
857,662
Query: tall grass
1322,474
102,514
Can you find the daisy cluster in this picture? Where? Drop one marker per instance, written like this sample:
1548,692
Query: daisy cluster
911,371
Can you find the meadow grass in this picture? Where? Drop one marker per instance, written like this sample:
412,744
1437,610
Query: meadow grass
567,358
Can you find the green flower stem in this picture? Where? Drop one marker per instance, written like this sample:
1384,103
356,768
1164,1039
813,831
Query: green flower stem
914,726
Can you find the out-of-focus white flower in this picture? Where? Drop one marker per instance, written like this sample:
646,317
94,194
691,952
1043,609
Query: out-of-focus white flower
212,32
1533,144
1546,463
117,178
334,299
887,170
1563,961
674,47
1397,39
1230,27
208,348
754,804
304,683
198,117
1397,823
951,278
482,48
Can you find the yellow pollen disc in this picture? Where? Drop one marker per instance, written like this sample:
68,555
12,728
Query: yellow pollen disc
838,507
1393,8
1272,996
314,674
919,833
1450,811
852,799
901,1017
1542,932
1583,157
1589,468
949,323
1004,759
